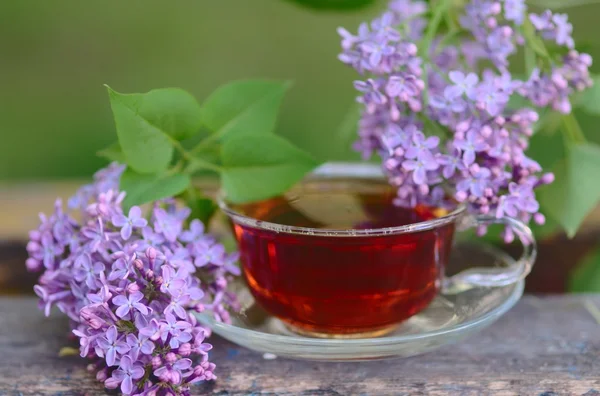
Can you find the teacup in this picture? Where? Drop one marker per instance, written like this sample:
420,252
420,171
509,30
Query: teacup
375,267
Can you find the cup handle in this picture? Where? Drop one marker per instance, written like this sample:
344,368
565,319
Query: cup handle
495,276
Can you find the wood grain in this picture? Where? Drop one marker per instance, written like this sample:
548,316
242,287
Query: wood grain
544,346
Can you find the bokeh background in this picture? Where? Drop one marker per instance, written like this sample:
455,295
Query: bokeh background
56,55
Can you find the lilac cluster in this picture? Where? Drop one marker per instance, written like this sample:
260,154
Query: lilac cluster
130,286
441,117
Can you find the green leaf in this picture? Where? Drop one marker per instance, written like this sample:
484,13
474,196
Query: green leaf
334,4
172,110
589,100
260,167
143,188
248,106
147,148
547,149
586,277
576,190
112,153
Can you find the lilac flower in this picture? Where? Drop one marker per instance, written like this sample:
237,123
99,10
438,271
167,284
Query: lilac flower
130,293
451,164
514,10
166,224
475,181
141,344
210,254
126,373
172,372
541,22
109,346
440,102
126,304
463,84
88,272
173,282
470,146
421,146
490,98
420,166
177,305
134,220
196,231
563,30
122,267
377,50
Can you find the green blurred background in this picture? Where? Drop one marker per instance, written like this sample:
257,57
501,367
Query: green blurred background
55,56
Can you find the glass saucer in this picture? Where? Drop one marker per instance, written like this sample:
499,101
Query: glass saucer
448,319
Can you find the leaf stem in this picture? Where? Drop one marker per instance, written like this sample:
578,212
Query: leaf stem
205,143
194,163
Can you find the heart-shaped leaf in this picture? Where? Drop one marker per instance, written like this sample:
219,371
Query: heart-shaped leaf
146,147
248,106
143,188
260,167
576,190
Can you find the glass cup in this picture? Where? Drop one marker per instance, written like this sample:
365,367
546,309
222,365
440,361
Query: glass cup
352,283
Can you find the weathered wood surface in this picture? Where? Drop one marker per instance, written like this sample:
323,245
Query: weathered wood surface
544,346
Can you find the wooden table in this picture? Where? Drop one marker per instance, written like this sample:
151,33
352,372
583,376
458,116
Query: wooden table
544,346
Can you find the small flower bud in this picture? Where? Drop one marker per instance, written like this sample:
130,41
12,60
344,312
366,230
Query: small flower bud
170,358
156,362
547,178
158,280
133,287
481,230
138,264
486,131
508,235
460,196
185,349
33,265
539,218
151,253
496,8
507,31
221,282
35,235
198,370
111,383
491,22
101,375
149,274
199,307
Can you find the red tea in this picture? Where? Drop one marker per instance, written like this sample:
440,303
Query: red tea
343,285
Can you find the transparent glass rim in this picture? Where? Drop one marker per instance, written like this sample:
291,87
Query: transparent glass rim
333,170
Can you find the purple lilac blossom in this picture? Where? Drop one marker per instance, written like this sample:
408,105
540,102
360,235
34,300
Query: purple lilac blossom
129,286
480,156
